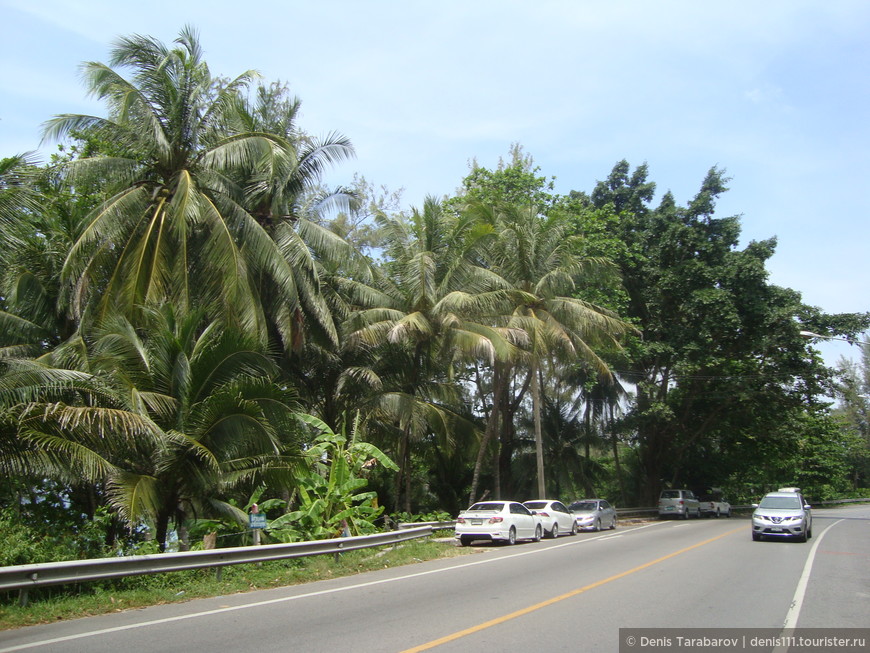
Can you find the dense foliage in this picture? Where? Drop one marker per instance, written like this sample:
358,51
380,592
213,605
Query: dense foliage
193,324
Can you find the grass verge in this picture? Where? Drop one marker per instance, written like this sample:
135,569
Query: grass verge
72,601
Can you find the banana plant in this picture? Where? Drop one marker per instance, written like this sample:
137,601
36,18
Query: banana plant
331,492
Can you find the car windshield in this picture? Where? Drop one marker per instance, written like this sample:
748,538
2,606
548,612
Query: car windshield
584,505
535,505
782,503
487,506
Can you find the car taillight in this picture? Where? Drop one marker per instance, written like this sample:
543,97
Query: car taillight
541,513
681,502
460,520
496,520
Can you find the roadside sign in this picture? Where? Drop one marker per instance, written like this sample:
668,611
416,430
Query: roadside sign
257,520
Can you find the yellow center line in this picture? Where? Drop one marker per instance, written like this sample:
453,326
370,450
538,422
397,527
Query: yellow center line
557,599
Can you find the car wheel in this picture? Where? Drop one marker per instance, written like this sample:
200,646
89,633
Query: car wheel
613,523
685,515
539,533
728,514
597,526
810,532
573,528
717,513
802,537
465,541
512,535
554,533
756,537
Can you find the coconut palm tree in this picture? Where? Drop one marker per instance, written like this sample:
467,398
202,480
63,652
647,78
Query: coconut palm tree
19,194
426,320
172,226
536,256
169,418
283,195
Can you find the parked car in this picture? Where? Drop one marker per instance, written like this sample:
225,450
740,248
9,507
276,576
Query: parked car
593,514
679,503
714,504
555,517
497,521
784,513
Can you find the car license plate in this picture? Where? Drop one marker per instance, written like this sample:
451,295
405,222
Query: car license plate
669,508
476,522
776,530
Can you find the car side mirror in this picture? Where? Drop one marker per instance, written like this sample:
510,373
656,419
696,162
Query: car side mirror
807,506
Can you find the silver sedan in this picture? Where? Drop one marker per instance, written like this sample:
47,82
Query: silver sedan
593,514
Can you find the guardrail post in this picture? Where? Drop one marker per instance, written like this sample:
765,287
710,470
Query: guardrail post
22,597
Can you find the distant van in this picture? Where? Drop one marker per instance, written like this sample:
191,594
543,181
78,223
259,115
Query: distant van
679,503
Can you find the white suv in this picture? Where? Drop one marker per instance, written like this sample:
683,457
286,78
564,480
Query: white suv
784,513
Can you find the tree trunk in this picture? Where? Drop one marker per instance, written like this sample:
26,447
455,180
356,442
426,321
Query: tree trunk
539,436
161,528
491,429
618,466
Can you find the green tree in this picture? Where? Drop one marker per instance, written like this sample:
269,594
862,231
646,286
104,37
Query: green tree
169,419
853,391
535,256
284,195
721,363
426,321
171,226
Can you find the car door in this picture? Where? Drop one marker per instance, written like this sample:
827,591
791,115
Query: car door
607,513
563,516
524,521
808,514
692,503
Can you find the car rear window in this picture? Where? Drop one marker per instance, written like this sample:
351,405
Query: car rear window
487,506
535,505
670,494
584,505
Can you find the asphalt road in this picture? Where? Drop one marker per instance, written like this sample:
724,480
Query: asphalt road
571,594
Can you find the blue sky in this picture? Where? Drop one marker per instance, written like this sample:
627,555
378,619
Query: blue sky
774,92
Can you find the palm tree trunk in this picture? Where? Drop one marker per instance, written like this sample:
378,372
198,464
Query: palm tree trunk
539,439
614,441
407,466
161,528
491,429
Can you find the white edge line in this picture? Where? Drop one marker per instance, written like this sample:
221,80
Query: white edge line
284,599
797,601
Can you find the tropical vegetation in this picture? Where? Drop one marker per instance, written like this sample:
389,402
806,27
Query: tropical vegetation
194,323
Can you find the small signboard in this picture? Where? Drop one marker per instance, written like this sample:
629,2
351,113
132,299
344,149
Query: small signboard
257,520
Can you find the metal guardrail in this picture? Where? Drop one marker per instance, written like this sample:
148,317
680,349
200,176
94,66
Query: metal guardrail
435,525
24,577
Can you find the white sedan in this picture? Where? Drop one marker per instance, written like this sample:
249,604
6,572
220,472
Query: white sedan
555,517
497,521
